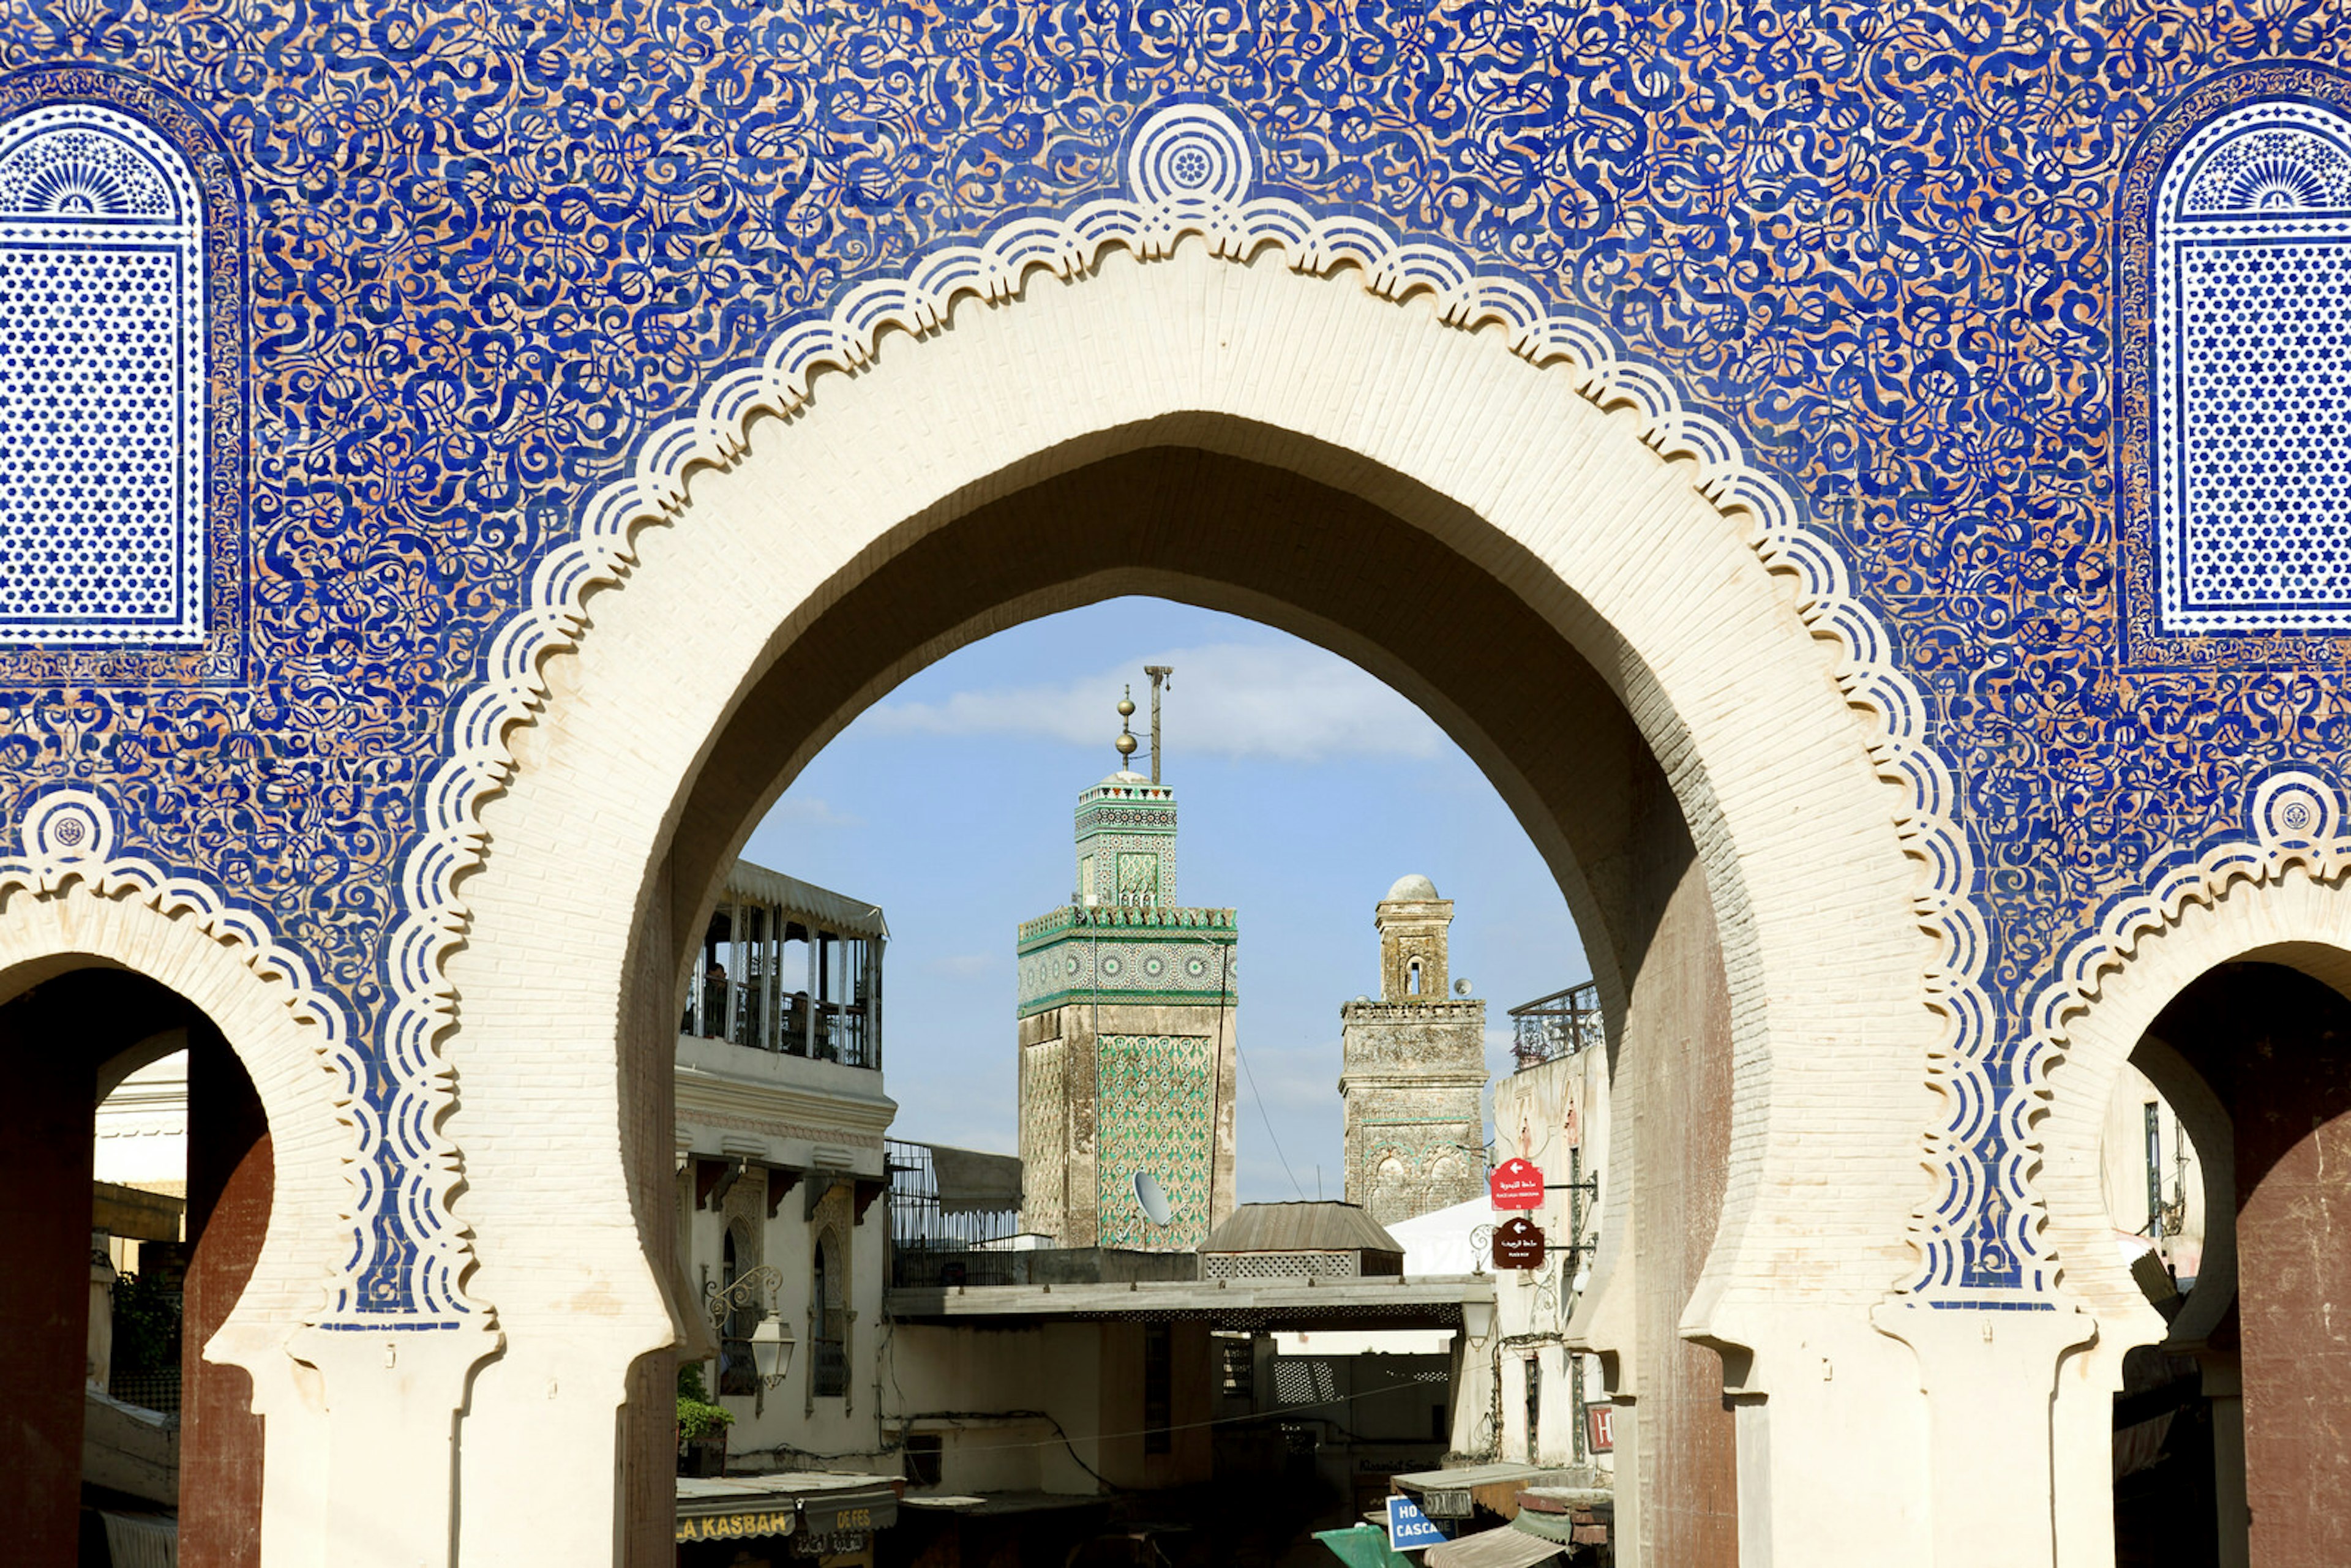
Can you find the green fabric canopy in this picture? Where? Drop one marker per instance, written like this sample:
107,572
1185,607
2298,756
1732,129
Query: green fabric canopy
1364,1546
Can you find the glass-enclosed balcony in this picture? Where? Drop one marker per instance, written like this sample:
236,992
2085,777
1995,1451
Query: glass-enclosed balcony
791,967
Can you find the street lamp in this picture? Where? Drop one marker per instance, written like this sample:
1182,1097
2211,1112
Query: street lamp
771,1342
771,1349
1478,1320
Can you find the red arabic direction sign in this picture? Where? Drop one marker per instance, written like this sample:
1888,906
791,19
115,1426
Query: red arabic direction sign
1517,1243
1516,1184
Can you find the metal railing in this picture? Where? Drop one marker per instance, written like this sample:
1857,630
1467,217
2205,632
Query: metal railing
931,1247
1560,1024
158,1391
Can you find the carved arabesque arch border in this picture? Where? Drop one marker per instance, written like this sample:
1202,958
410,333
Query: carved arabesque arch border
68,843
2294,823
1190,170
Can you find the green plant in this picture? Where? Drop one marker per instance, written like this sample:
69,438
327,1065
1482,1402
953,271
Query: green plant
146,1326
697,1418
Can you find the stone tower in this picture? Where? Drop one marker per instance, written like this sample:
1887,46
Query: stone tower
1413,1069
1127,1044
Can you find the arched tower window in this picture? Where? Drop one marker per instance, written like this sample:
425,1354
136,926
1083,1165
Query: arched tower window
1412,979
828,1320
104,383
737,1373
2251,323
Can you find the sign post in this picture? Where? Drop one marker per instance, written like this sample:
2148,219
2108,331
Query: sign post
1516,1184
1409,1530
1517,1243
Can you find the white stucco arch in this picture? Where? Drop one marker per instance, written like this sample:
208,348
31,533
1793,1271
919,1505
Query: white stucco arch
64,924
2245,902
1568,506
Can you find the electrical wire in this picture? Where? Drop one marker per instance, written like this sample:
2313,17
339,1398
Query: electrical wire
1062,1439
1259,1096
1283,1413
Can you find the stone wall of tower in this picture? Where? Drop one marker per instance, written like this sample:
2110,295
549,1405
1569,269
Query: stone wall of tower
1128,1021
1412,1081
1109,1090
1413,1069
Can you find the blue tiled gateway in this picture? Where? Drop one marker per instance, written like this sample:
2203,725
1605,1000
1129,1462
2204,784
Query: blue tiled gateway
1867,481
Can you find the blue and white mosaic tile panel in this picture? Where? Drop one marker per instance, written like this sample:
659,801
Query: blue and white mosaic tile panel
102,384
2253,373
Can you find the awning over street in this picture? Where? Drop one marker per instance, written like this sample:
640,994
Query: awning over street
1458,1493
738,1508
1270,1305
1362,1546
1508,1547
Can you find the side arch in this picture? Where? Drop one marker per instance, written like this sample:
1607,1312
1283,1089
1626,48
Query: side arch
51,927
2281,895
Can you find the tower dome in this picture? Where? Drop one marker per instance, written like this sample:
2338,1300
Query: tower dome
1415,888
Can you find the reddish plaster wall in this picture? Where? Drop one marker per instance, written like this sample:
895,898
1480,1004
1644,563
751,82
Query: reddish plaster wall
2275,1045
230,1175
1679,1083
45,1209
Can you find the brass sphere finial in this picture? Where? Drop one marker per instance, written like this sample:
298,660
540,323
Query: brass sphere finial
1125,742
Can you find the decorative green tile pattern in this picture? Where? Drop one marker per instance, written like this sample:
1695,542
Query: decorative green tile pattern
1131,956
1044,1138
1154,1111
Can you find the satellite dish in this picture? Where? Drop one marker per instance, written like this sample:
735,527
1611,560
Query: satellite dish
1154,1201
1460,988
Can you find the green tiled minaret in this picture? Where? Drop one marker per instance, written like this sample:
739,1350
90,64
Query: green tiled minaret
1127,1015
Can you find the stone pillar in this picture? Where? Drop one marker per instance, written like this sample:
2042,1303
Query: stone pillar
230,1176
1991,1379
2294,1274
1677,1065
45,1209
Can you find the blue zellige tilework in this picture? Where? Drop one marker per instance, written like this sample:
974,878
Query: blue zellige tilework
456,260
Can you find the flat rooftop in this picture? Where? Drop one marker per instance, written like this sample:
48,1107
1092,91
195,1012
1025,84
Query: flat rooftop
1399,1302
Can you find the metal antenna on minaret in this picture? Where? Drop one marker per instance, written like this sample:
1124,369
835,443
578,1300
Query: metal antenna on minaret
1161,675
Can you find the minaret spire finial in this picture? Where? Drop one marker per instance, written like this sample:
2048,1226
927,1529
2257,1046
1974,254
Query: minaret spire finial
1161,675
1125,742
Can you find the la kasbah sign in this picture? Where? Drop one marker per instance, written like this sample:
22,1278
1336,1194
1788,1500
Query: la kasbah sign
737,1526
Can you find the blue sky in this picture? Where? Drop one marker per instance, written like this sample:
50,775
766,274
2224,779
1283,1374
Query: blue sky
1306,788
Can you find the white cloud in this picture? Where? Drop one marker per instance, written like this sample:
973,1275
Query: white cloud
811,810
1292,701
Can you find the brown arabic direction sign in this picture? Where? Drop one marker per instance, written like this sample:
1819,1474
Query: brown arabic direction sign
1517,1243
1516,1184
